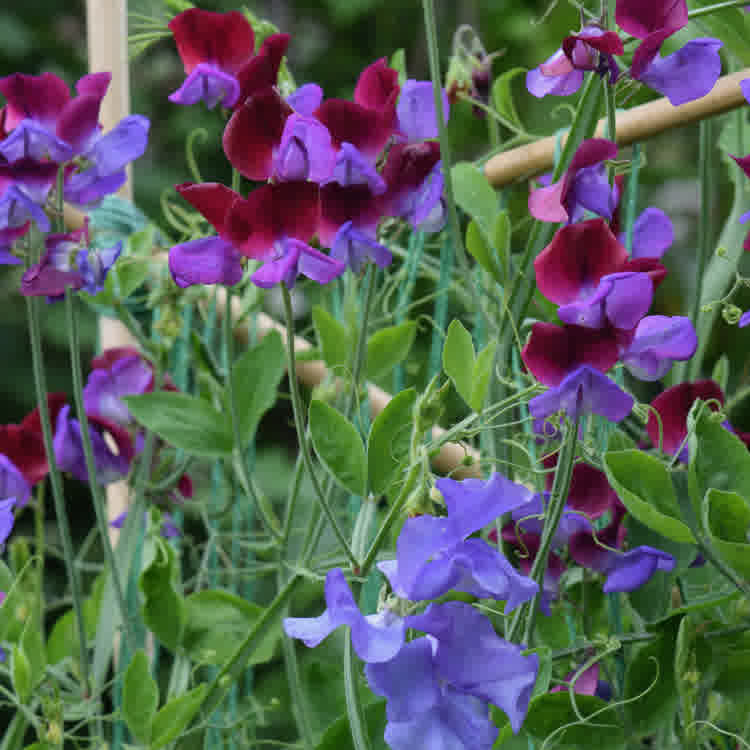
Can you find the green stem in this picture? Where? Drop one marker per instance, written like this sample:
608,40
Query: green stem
39,551
705,171
361,346
357,722
300,427
57,489
445,146
88,454
558,496
698,12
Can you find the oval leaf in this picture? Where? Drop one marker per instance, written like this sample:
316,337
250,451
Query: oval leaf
458,359
172,720
140,697
726,517
339,447
388,347
333,338
184,421
474,195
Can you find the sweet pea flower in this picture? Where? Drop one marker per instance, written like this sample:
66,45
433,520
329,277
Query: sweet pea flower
583,186
106,387
7,519
586,271
24,187
417,117
584,391
659,341
13,484
376,638
213,48
435,555
306,99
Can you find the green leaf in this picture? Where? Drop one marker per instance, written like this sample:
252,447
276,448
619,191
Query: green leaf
718,458
184,421
173,718
33,646
398,63
217,623
502,95
255,378
389,440
478,247
339,447
501,236
458,359
389,346
333,338
20,673
163,607
131,273
549,713
544,675
339,735
733,660
474,195
644,485
480,375
726,518
650,675
140,697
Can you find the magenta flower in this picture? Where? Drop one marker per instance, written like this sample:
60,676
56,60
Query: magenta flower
306,99
213,47
376,638
583,186
586,271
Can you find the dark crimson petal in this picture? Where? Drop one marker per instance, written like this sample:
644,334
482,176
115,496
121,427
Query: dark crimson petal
261,71
94,84
108,357
673,406
252,133
25,448
339,204
185,486
744,163
39,97
376,86
590,492
78,122
647,51
584,550
212,199
642,17
55,402
226,39
348,122
578,256
655,270
44,280
296,210
592,151
407,166
607,42
553,351
122,439
249,224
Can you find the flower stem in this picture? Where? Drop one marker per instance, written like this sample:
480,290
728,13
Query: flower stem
57,489
445,147
88,453
356,715
361,345
300,427
708,9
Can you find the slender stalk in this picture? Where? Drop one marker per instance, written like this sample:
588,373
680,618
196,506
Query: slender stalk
57,489
300,427
356,714
361,346
705,171
558,496
88,453
39,551
708,9
445,147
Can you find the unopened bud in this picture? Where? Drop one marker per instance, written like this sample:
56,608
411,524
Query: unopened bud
721,251
731,314
54,734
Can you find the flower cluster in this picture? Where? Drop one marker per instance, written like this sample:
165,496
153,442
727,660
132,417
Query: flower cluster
438,686
49,137
603,292
330,169
687,74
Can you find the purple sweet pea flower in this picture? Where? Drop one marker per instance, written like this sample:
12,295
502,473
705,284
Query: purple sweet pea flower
352,168
685,75
653,234
435,556
529,519
306,99
584,391
744,319
354,248
208,260
417,118
376,638
305,152
68,445
583,186
563,81
482,665
7,518
658,342
421,711
105,388
12,483
24,187
291,257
